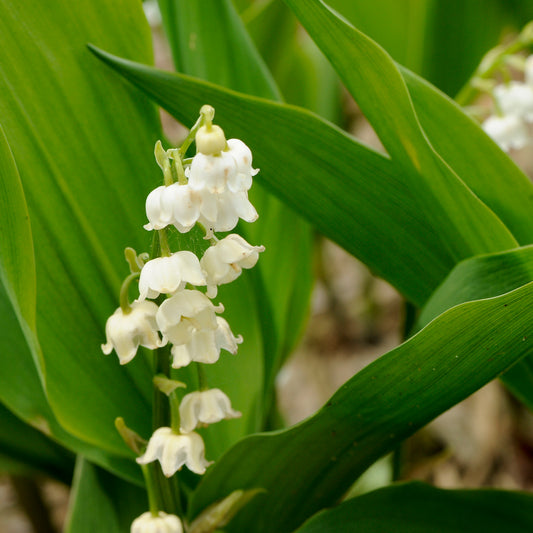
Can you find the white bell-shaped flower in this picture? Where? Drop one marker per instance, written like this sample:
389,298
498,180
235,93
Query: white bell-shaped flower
125,332
204,345
205,407
223,262
222,211
186,311
175,204
168,274
212,172
507,132
162,523
243,159
173,450
515,98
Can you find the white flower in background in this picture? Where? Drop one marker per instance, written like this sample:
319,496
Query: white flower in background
204,345
515,98
125,332
186,311
175,204
168,274
223,262
204,407
162,523
173,450
507,131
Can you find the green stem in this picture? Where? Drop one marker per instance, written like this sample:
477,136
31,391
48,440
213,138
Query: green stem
492,61
182,150
160,413
202,378
178,166
163,243
151,489
124,293
174,412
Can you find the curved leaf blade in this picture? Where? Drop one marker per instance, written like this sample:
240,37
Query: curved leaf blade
465,225
486,169
81,233
418,508
486,276
353,195
311,465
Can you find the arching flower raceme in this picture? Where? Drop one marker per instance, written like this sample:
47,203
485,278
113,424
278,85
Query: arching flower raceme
204,345
168,274
205,407
162,523
173,450
507,132
126,332
175,204
223,262
184,312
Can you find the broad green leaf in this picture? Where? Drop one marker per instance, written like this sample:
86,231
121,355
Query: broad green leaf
418,508
102,502
23,449
352,194
457,40
208,41
235,63
17,264
311,465
484,277
465,226
83,146
22,392
487,171
400,27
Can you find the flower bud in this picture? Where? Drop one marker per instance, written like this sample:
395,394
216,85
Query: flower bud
210,140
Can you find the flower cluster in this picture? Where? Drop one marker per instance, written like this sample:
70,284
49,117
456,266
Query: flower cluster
175,306
509,126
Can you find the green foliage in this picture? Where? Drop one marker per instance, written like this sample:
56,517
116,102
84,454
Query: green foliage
419,508
442,215
102,502
387,401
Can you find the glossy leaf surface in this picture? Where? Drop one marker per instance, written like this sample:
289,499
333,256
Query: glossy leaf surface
387,401
419,508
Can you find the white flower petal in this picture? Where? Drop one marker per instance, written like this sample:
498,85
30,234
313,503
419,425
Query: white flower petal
173,450
243,159
225,338
126,332
212,172
223,262
205,407
507,131
166,274
162,523
158,216
515,98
